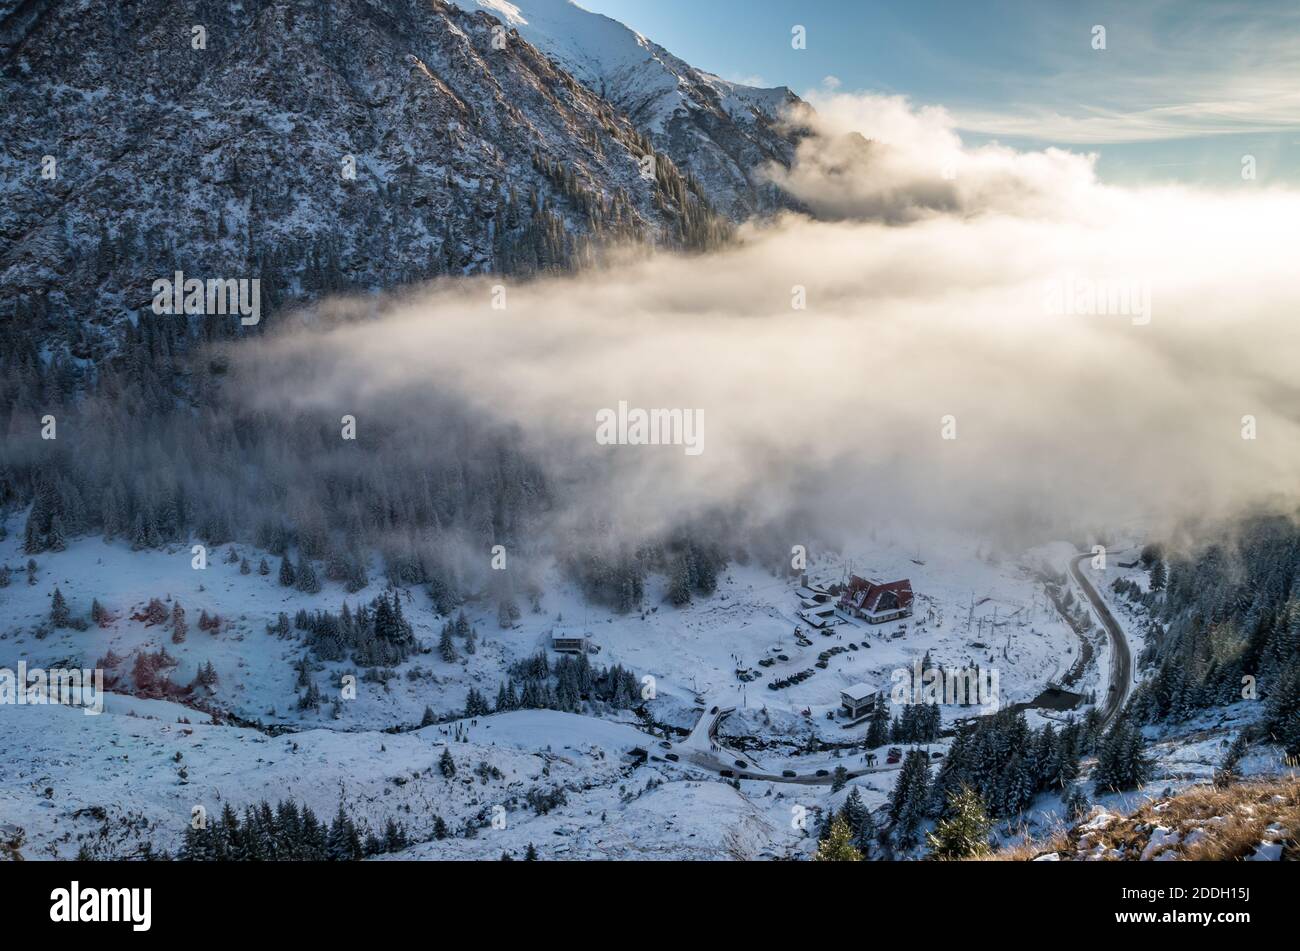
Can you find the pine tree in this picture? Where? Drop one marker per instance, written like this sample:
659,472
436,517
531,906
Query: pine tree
311,700
531,854
59,615
1017,786
1076,804
179,626
965,833
1121,762
305,578
908,802
679,585
878,728
860,822
56,540
342,844
446,764
428,719
286,573
394,837
839,779
446,647
838,846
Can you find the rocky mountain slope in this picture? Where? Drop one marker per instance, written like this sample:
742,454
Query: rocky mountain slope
317,146
1250,821
719,131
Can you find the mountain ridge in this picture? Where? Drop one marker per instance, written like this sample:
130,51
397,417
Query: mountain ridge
320,147
722,132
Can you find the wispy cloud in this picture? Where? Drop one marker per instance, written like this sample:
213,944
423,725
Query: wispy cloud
1168,71
1068,417
1099,125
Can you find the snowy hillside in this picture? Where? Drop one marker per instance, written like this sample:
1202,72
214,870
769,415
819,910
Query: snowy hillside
316,147
718,130
692,653
569,783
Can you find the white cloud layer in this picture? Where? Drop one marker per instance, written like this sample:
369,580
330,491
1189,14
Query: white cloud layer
1063,423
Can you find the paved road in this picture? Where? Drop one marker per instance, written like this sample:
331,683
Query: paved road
693,751
1121,659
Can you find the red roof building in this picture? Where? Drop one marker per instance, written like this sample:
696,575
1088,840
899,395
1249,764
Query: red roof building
877,601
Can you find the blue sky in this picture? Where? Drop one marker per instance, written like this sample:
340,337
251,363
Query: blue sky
1182,91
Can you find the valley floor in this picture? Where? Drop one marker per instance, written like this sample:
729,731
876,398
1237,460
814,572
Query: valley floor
132,777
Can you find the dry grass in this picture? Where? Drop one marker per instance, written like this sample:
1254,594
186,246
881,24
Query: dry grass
1232,821
11,843
1059,841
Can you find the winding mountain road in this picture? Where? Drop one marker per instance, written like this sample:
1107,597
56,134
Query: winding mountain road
702,748
1121,658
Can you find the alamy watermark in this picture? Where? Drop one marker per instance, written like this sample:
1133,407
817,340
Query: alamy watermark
1073,296
68,686
956,686
181,295
75,904
651,427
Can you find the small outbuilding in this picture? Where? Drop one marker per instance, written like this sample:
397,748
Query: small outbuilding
858,700
819,615
570,642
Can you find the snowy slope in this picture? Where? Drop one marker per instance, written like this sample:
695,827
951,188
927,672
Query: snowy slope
691,652
66,777
719,130
316,147
633,72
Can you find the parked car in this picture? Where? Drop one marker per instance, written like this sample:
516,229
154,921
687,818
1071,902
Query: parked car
726,772
893,759
741,763
895,751
936,755
788,773
822,772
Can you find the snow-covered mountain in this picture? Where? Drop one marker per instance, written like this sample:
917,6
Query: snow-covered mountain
718,130
318,146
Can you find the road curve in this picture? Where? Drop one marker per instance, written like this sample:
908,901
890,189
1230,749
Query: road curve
717,760
1121,658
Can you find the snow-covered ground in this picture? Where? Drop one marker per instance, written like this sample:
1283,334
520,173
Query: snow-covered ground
141,767
631,70
692,653
721,132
